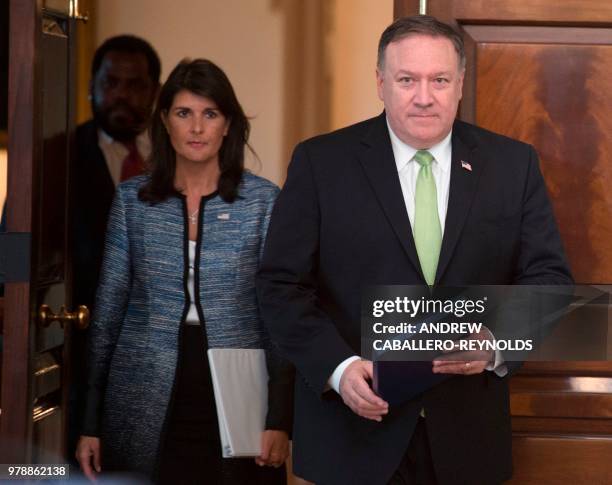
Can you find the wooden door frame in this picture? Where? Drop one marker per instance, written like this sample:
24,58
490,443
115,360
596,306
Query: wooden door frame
410,7
568,12
23,152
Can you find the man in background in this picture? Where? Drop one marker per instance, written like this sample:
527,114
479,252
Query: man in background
110,148
411,197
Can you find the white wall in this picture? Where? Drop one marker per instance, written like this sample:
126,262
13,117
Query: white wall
244,37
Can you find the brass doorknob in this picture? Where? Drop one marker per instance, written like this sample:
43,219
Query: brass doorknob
80,318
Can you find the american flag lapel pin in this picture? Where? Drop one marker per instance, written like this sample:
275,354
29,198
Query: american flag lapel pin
466,166
224,217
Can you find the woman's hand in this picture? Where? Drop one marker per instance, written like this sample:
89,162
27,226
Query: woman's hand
88,451
274,448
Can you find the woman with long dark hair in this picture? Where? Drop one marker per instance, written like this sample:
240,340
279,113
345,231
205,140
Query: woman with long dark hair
182,248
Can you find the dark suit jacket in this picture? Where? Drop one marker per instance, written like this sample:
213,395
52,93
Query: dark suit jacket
340,223
92,195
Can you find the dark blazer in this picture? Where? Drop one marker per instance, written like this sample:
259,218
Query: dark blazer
92,195
340,223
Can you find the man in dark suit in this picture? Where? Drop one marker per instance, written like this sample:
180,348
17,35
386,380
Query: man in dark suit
411,197
109,149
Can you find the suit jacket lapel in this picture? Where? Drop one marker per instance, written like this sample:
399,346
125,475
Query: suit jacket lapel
96,165
463,183
380,168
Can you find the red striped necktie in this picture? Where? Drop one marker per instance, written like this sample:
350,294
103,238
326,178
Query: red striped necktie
133,164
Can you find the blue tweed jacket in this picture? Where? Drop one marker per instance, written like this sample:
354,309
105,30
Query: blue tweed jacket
142,299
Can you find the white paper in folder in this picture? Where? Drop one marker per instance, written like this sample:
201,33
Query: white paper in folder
240,383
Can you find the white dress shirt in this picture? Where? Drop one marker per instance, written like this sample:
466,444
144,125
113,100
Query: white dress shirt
115,152
408,171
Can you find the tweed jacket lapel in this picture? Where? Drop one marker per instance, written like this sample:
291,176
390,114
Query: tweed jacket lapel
164,249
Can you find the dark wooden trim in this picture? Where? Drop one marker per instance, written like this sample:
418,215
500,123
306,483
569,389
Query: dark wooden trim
565,12
85,48
556,459
544,35
561,405
15,423
590,368
23,149
22,146
562,384
404,8
71,100
551,425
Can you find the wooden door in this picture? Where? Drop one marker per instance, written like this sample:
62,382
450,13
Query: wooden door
541,71
34,387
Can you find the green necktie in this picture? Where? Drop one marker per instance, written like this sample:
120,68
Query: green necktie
427,230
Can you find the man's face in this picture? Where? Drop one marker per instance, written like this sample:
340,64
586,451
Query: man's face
123,95
420,85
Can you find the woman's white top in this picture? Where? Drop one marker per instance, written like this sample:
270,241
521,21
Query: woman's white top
192,315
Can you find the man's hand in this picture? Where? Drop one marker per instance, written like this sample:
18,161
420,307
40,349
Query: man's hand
274,448
88,456
466,362
357,394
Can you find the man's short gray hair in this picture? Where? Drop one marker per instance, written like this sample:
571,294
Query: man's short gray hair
419,25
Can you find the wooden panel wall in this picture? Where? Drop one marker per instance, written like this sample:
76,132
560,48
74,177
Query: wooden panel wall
551,84
541,71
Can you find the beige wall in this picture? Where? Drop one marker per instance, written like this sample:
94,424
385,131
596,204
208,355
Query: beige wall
244,37
357,26
249,39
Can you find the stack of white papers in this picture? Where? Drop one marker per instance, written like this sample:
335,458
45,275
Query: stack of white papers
240,383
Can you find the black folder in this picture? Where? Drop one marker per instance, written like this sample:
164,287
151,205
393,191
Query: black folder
400,381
